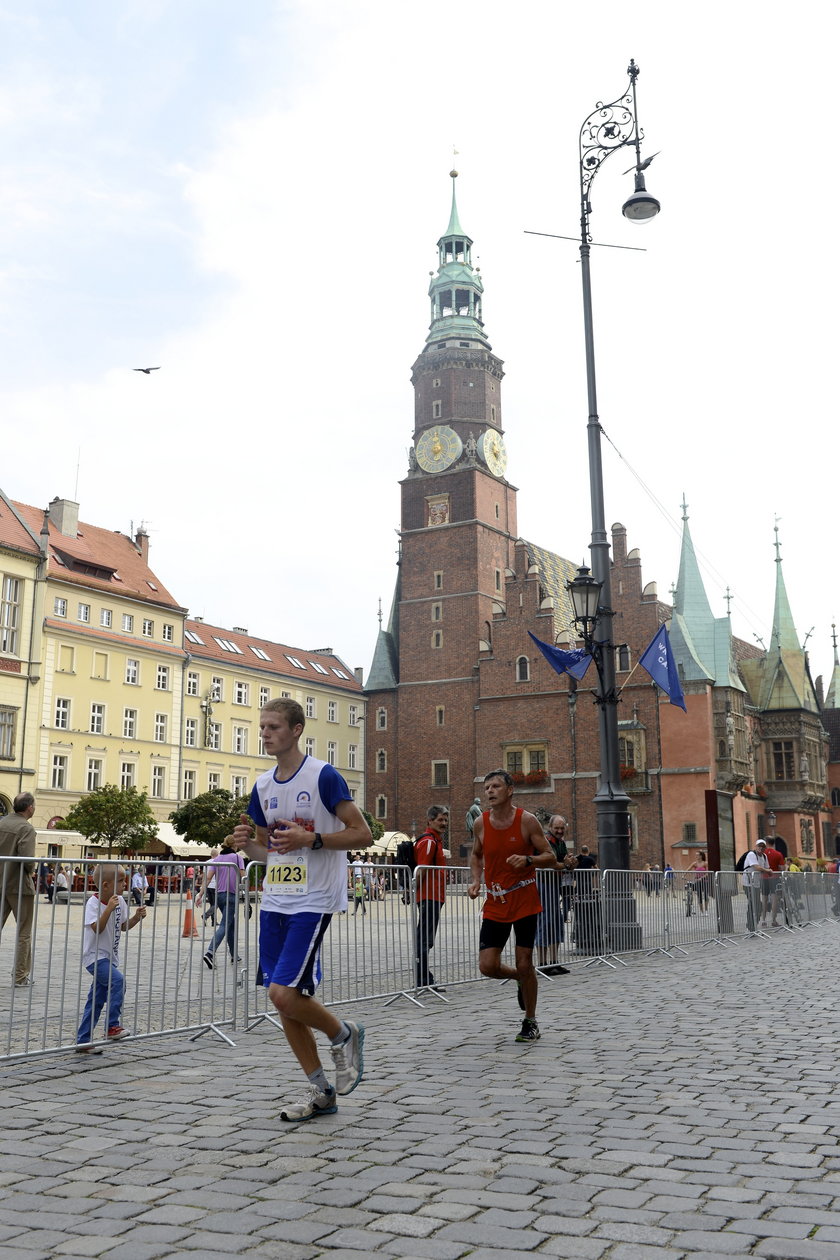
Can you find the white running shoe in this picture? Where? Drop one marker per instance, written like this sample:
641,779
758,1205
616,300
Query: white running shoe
349,1059
315,1103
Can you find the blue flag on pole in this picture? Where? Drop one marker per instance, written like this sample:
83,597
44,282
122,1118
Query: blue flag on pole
658,660
575,662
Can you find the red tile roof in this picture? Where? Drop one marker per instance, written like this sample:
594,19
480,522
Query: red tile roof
335,673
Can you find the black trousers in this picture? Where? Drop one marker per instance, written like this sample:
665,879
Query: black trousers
427,926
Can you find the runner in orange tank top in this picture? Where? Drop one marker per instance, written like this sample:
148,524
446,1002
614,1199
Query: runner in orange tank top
508,844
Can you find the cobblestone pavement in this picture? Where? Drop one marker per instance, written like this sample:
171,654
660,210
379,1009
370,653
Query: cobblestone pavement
675,1108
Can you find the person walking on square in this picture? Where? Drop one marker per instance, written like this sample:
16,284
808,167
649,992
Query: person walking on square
106,918
224,872
508,844
305,823
430,874
17,889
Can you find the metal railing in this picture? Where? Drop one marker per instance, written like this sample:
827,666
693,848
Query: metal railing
374,950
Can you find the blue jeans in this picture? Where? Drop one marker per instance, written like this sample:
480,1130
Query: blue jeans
108,983
226,903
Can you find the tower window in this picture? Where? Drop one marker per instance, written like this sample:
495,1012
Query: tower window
437,639
437,612
493,412
436,410
440,714
381,807
623,657
497,511
439,581
440,774
523,669
436,383
498,573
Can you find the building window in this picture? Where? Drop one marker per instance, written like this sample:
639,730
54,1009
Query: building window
97,719
191,733
238,784
62,714
523,669
100,665
528,764
437,612
623,657
352,715
160,728
381,760
437,639
148,628
66,659
440,715
241,693
9,615
515,762
627,753
689,833
436,409
128,623
498,578
8,717
309,706
189,785
132,671
438,581
381,719
835,797
84,612
493,413
94,774
265,696
214,781
129,723
352,749
158,781
192,683
240,740
106,618
59,607
381,807
214,736
332,752
536,761
440,774
167,633
783,766
128,775
59,772
310,747
162,678
217,688
332,711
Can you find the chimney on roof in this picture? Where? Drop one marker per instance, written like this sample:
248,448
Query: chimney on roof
359,672
64,514
141,542
198,618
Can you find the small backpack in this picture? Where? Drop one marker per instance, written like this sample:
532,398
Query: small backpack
405,854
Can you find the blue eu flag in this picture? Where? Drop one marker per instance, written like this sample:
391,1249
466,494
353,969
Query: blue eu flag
658,660
575,662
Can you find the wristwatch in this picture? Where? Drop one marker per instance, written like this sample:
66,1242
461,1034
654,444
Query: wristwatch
318,842
529,860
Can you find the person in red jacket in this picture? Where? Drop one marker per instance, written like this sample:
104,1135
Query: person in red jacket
770,888
430,874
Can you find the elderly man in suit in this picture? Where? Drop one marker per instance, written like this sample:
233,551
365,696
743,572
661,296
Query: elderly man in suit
17,887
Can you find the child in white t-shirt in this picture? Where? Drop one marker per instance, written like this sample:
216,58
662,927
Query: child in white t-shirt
106,918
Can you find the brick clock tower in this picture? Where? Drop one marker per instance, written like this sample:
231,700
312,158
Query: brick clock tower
457,537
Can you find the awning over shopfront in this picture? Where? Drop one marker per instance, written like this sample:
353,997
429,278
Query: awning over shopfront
180,846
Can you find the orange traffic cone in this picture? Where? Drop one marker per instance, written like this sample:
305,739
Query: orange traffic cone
189,918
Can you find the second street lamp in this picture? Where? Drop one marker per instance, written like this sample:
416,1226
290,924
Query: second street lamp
607,129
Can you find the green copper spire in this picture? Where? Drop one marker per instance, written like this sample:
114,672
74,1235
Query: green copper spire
702,643
833,693
456,290
784,631
784,679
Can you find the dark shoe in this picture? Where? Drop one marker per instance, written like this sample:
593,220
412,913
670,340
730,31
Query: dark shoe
529,1031
556,970
208,961
88,1048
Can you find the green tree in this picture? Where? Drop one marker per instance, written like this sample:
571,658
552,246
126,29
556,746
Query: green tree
119,817
208,818
376,828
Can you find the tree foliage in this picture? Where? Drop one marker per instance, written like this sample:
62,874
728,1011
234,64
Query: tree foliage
119,817
376,828
208,818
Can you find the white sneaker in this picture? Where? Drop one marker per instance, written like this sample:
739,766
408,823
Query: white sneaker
349,1059
315,1103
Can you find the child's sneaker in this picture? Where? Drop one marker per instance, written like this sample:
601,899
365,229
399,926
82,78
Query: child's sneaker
315,1103
88,1047
349,1059
529,1031
117,1033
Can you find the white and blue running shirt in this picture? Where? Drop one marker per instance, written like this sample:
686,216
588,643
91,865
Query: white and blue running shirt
303,880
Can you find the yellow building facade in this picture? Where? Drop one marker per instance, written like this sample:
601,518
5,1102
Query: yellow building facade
103,679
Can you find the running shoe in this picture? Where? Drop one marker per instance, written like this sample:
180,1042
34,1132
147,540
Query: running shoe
315,1103
349,1059
529,1031
208,961
117,1033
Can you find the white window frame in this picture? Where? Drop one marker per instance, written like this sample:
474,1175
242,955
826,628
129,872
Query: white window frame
132,671
97,718
193,682
158,782
191,733
62,713
106,618
129,724
332,752
161,724
162,678
93,777
128,775
59,606
59,770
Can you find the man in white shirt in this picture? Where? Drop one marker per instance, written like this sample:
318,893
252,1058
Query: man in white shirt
755,864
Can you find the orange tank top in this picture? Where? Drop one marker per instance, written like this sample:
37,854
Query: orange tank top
511,894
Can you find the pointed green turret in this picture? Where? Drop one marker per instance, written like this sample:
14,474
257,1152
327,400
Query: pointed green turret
456,290
833,693
701,642
781,680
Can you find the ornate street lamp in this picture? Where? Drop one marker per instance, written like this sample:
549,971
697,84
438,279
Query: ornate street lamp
607,129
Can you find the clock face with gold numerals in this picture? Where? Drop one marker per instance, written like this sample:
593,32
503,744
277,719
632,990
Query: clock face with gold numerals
437,448
493,452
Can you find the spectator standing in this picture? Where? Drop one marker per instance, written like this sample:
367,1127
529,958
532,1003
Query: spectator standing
17,889
701,882
430,874
224,872
755,865
550,923
106,918
772,883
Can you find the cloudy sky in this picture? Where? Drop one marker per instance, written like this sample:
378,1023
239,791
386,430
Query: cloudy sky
250,195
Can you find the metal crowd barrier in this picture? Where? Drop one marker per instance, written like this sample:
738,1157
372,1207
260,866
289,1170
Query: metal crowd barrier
374,950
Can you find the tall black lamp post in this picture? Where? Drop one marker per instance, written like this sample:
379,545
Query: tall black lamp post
607,129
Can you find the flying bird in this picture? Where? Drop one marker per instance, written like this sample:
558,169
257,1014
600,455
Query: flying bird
643,165
146,370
